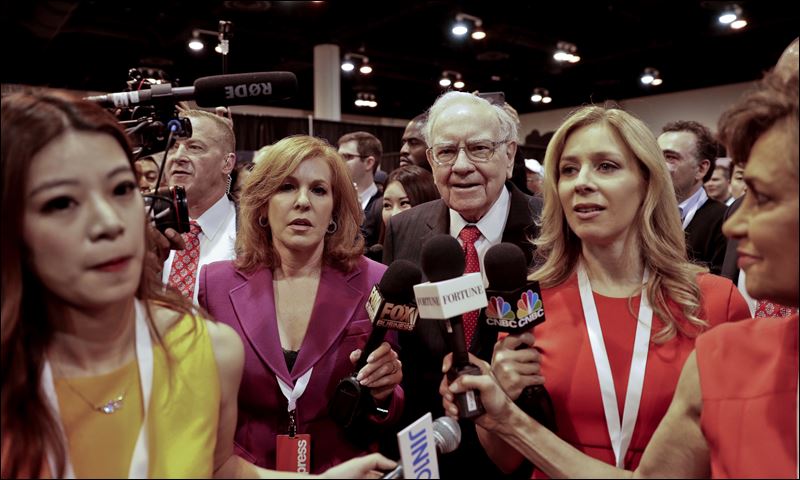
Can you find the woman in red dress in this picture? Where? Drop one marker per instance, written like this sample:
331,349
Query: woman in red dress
735,410
624,304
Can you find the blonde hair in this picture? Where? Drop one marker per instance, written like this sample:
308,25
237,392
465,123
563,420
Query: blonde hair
660,234
254,246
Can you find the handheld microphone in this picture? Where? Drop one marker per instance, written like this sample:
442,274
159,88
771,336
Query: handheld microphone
236,89
390,306
515,306
447,296
446,434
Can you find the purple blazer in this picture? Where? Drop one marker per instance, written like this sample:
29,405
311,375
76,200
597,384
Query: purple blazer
338,325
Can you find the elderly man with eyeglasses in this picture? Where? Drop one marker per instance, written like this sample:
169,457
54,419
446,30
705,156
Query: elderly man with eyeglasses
472,146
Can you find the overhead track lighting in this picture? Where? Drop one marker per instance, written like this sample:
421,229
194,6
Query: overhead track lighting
348,64
732,16
565,52
196,43
449,77
541,95
366,99
462,26
651,76
729,14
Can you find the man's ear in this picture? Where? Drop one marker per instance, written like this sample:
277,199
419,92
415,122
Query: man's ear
369,162
230,162
702,168
511,151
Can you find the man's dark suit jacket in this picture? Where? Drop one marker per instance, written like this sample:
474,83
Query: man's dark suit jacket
704,239
422,351
371,228
729,267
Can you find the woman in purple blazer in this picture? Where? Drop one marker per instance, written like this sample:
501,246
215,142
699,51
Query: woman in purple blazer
296,294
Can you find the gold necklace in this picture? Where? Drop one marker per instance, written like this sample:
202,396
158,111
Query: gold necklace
107,408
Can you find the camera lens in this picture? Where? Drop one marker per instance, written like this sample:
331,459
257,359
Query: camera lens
168,209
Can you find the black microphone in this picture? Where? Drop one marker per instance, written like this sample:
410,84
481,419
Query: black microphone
446,434
442,260
515,306
219,90
390,306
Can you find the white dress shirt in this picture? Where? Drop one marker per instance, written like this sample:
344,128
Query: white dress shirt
366,195
691,205
491,227
217,239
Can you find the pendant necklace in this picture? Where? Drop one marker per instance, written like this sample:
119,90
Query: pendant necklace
108,408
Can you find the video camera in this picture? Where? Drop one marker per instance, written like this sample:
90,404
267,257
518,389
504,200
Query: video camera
154,127
147,110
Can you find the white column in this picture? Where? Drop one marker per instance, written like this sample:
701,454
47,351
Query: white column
327,90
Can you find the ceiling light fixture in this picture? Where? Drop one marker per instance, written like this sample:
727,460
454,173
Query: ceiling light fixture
459,29
565,52
462,26
366,99
651,76
729,14
348,64
449,77
541,95
738,24
732,16
196,43
224,35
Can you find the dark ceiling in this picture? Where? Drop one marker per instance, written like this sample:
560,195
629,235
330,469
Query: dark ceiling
91,45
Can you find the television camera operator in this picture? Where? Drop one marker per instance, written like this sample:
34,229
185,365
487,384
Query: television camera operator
195,216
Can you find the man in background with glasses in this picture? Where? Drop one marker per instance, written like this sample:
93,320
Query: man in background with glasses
472,146
362,152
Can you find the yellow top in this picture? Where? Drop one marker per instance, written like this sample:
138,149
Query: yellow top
182,418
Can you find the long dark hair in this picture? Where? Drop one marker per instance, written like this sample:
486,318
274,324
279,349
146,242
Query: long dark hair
31,121
418,184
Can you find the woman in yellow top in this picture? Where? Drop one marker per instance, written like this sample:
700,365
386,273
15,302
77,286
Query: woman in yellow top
104,374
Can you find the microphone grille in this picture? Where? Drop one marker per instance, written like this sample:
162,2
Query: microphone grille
442,258
397,283
505,266
447,434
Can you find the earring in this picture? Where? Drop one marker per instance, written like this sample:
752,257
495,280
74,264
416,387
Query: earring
263,221
228,186
332,227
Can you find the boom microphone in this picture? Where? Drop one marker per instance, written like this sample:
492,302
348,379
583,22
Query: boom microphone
515,306
446,434
390,307
447,296
219,90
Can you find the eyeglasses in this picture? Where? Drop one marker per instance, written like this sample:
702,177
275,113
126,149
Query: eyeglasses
445,154
349,156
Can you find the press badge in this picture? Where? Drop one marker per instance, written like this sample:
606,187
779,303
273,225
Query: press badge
293,453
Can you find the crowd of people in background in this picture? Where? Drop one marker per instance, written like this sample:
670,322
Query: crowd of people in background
129,350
